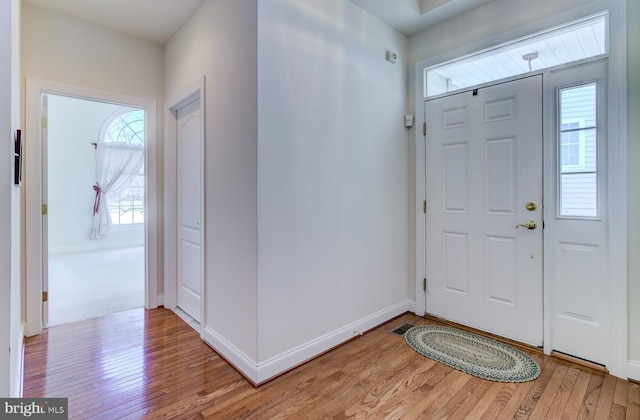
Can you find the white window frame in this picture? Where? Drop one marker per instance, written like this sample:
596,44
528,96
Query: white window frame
581,165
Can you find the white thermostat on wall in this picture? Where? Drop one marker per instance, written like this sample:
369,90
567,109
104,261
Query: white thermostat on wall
408,121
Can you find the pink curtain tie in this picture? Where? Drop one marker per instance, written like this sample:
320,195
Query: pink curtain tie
96,203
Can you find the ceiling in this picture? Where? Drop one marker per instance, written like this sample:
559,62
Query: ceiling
158,20
153,20
411,16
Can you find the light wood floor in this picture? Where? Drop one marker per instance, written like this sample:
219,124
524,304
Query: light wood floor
150,364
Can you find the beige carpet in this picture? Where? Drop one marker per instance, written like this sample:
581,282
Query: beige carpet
90,284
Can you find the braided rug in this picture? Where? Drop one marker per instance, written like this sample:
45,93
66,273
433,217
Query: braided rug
476,355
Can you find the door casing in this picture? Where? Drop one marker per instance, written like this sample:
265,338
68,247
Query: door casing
33,192
197,90
617,182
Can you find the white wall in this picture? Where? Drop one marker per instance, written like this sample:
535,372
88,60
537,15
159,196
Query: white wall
633,132
11,337
72,125
220,42
306,174
60,49
332,172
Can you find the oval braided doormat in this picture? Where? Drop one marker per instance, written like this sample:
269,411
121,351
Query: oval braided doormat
476,355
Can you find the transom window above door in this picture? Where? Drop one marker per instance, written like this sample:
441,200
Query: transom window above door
578,40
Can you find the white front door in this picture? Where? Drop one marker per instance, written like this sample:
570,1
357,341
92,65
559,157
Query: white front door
189,155
484,177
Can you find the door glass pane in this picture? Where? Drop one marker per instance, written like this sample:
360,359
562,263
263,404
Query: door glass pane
579,195
578,107
578,151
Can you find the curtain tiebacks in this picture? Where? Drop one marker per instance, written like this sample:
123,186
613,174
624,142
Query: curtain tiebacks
96,203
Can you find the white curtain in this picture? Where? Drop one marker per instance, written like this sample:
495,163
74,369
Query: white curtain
116,166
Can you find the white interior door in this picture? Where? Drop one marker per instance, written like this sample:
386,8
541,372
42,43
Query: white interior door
484,177
190,174
44,118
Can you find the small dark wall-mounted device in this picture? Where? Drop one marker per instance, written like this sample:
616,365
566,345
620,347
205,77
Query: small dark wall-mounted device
17,157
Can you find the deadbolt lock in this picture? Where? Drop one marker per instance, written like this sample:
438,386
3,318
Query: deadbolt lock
531,206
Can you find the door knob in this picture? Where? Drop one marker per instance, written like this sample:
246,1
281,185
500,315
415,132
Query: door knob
529,224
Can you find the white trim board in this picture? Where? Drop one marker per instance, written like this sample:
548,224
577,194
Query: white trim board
19,373
33,191
261,372
170,298
617,164
633,371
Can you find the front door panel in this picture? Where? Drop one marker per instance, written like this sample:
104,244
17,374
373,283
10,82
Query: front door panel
484,164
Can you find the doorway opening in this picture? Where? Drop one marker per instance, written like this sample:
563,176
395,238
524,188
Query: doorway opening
122,117
94,188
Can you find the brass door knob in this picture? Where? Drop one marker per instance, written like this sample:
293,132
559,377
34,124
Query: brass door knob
529,224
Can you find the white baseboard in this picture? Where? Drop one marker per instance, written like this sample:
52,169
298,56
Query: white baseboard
633,370
263,371
16,391
232,354
98,246
411,306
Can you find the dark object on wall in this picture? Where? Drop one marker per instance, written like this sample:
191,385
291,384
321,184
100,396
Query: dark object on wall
17,178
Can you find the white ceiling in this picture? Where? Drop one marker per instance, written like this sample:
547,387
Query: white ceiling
158,20
411,16
153,20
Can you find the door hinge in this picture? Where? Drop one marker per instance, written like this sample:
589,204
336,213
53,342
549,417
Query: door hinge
45,209
424,284
45,296
424,206
424,128
43,122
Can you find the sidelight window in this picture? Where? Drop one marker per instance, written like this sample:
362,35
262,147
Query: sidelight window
578,151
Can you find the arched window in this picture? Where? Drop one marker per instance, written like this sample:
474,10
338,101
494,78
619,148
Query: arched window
127,126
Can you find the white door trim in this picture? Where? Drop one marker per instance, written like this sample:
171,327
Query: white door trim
617,169
33,191
197,90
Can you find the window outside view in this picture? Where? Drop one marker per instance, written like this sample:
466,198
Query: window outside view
127,208
577,151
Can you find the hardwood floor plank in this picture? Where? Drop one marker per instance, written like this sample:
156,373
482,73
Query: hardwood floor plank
554,405
151,365
489,397
536,391
590,403
633,402
620,398
573,404
513,405
605,400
